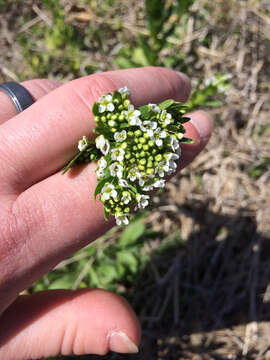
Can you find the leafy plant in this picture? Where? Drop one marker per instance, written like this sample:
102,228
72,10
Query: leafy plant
162,18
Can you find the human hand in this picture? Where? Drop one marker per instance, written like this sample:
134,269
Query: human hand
45,217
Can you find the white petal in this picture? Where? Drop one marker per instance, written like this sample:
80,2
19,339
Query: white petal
101,108
110,107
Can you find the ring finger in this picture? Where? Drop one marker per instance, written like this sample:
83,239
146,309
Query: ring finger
37,88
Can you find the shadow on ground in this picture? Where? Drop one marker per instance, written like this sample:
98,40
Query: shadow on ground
201,295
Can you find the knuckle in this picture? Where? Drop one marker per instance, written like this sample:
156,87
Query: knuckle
90,88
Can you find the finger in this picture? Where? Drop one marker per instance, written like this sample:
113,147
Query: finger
60,322
37,88
62,210
39,141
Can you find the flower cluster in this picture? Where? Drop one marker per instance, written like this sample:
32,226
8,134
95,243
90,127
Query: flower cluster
135,148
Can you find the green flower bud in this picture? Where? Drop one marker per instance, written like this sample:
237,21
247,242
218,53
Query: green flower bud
135,148
149,171
140,167
130,133
151,158
145,147
127,156
151,143
114,117
126,210
111,123
136,140
137,155
142,154
143,161
121,117
96,118
149,164
158,157
116,101
145,135
132,160
142,140
140,146
126,103
154,151
113,130
120,107
138,133
103,118
124,145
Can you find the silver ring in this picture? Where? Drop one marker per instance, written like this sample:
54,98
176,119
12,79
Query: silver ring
21,97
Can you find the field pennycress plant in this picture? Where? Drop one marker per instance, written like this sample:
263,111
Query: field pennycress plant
135,150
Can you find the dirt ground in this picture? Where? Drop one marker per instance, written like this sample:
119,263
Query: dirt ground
217,283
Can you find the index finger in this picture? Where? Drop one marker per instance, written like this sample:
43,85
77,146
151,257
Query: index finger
39,141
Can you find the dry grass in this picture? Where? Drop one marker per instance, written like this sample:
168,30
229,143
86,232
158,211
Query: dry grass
217,285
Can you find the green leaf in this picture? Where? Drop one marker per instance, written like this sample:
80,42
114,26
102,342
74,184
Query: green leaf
184,120
117,95
165,104
106,214
65,282
95,109
187,140
145,111
131,233
127,258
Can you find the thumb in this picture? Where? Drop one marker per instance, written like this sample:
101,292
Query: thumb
63,322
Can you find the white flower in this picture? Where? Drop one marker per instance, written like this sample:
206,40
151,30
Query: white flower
118,154
108,191
171,158
123,183
105,103
133,174
159,183
124,90
126,197
180,136
145,179
154,107
103,144
133,116
120,136
148,127
102,163
158,136
100,173
83,143
121,219
166,117
162,168
174,143
116,170
142,201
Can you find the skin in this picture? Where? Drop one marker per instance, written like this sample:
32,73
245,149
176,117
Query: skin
45,216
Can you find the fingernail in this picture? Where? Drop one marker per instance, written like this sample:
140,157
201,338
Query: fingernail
203,123
186,85
121,343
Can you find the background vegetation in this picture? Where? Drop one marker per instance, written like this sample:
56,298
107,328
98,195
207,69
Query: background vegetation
196,268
